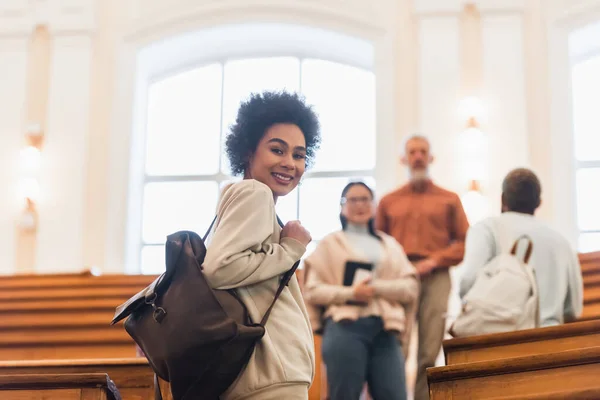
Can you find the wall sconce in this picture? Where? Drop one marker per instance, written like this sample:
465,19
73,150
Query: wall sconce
29,185
473,146
473,143
28,219
472,111
474,202
34,135
31,158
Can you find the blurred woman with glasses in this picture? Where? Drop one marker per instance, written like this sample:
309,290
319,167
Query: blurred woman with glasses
361,290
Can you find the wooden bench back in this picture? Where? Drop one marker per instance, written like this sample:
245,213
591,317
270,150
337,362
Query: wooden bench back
132,376
96,386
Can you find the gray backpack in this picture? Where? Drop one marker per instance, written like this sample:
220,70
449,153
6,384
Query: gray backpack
503,298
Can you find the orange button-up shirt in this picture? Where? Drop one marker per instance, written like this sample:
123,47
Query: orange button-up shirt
429,223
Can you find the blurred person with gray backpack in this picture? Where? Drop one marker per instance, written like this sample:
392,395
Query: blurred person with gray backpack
517,273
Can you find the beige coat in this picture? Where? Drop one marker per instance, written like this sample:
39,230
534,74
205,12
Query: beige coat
245,252
396,286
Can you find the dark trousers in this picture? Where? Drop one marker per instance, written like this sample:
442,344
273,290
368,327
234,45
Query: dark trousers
361,351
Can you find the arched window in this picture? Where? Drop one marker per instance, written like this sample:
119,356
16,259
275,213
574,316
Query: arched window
585,56
187,118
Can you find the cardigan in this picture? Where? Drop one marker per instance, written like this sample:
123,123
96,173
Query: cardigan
396,284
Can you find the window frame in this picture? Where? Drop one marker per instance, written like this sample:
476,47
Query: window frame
578,164
220,177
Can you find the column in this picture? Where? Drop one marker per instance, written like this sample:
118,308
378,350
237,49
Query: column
505,97
439,79
473,48
65,154
538,95
13,76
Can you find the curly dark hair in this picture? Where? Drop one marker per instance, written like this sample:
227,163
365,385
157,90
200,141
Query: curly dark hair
521,191
259,113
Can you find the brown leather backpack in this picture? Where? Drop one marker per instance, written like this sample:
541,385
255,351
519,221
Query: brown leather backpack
197,338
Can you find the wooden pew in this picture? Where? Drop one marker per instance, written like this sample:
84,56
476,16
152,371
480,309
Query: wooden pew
58,387
522,343
74,284
591,311
19,282
591,295
65,316
591,281
73,293
541,374
133,376
574,394
590,263
591,290
64,328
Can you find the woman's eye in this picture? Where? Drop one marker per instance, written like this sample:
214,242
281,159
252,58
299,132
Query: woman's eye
299,156
277,151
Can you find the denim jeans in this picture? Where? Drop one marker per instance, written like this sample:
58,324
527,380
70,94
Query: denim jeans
360,351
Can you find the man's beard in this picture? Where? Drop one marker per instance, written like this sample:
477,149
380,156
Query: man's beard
419,175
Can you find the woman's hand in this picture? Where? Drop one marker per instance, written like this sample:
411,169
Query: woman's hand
295,230
364,291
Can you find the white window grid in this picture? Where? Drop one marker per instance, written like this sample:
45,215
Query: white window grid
221,178
579,165
588,164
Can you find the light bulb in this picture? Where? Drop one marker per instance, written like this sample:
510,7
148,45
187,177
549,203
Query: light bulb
29,189
471,107
475,205
31,159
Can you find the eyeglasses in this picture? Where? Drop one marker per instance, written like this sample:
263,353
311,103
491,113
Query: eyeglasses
356,200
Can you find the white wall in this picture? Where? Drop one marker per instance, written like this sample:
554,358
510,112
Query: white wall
504,94
418,65
65,152
13,70
439,89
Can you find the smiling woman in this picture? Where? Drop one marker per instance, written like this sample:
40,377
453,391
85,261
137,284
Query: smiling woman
274,136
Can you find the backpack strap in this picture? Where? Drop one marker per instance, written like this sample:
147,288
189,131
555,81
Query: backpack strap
529,250
282,284
157,393
285,279
209,229
530,273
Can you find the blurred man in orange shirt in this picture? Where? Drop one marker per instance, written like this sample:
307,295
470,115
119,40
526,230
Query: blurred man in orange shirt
431,225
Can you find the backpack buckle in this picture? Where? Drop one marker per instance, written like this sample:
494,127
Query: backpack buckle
158,313
150,300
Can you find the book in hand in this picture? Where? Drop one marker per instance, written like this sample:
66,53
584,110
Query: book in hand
355,273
